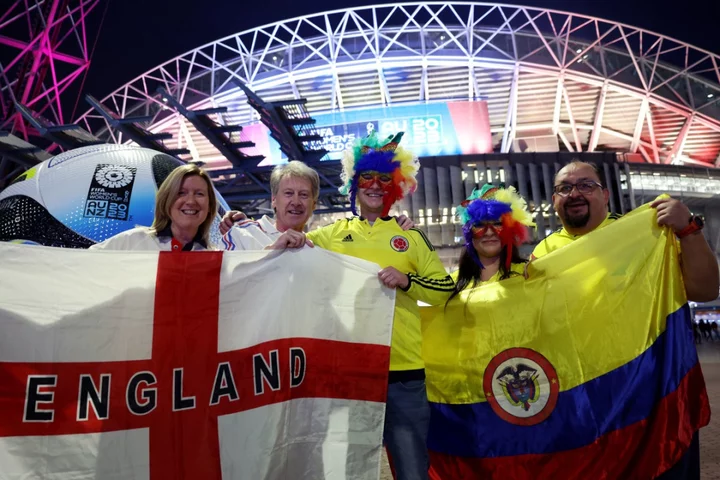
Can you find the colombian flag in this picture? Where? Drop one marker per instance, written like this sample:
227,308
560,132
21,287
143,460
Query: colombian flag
586,370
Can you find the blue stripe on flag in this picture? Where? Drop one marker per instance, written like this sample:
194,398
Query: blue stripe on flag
615,400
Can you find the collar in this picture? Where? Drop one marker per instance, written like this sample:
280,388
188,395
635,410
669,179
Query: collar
384,219
167,233
268,224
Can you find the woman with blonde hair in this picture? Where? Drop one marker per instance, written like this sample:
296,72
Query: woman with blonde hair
185,207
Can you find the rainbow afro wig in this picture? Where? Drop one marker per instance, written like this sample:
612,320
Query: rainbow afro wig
492,204
371,154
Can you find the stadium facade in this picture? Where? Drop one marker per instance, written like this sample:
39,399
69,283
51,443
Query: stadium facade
551,86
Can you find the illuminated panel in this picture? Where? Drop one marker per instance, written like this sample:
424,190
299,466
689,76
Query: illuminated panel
449,128
674,183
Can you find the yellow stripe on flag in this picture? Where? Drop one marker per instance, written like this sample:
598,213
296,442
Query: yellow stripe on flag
587,308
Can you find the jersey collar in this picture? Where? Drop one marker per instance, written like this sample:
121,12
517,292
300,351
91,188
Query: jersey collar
603,224
166,234
384,219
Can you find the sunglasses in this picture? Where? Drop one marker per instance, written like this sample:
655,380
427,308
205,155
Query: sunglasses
479,229
368,179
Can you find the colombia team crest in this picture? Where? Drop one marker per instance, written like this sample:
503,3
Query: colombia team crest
399,243
521,386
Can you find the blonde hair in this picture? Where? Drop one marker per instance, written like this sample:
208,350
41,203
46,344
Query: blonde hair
168,192
295,169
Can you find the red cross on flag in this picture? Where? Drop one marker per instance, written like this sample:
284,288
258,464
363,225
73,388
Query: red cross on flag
198,365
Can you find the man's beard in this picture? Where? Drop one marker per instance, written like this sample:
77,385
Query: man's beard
577,221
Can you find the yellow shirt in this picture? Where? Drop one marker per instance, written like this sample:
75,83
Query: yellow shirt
515,267
386,244
562,237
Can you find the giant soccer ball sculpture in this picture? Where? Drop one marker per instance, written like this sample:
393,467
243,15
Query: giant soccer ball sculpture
86,195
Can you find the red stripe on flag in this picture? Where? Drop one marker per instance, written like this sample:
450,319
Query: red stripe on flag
662,439
334,370
184,444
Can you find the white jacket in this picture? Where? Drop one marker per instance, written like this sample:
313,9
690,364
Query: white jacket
141,238
251,235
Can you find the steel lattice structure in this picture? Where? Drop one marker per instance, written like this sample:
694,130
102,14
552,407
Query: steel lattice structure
585,83
44,50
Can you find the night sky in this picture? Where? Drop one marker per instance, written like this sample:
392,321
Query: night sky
138,35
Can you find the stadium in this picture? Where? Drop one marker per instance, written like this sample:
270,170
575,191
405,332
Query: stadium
485,92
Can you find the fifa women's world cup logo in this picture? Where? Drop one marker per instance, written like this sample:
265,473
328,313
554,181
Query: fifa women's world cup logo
110,190
521,386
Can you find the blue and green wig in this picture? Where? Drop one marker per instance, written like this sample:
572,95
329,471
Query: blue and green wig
493,204
370,154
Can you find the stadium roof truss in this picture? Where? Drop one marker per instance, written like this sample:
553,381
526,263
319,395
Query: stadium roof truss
585,83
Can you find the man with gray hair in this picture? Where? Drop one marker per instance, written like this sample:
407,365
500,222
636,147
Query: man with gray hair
295,189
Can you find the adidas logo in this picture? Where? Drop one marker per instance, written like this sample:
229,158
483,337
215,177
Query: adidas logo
348,238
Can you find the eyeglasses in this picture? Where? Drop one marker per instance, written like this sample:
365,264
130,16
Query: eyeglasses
368,179
586,187
479,229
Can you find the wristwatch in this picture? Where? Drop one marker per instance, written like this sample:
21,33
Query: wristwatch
695,225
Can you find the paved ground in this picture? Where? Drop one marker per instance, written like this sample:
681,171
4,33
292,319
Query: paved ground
710,435
385,472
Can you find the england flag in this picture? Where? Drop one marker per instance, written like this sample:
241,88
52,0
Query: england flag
196,365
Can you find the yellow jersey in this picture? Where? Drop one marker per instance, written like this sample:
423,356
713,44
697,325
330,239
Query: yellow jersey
562,237
518,268
388,245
